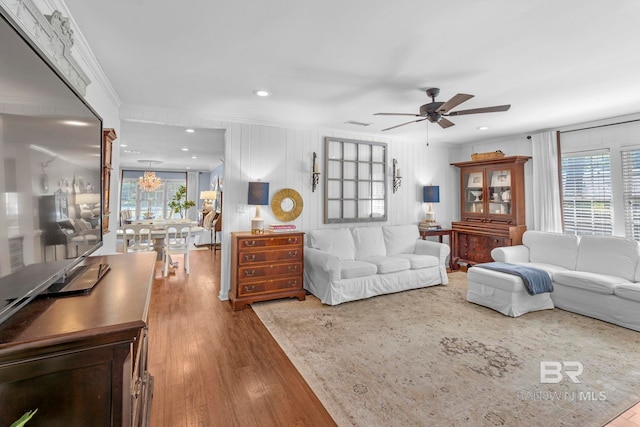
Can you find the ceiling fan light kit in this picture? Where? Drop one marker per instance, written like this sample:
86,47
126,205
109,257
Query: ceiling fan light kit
435,112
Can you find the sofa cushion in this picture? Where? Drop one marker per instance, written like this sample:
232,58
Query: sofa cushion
628,291
610,255
353,269
552,248
419,261
368,242
594,282
387,264
336,241
400,239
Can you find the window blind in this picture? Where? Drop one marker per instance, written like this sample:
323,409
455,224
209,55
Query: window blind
586,187
631,192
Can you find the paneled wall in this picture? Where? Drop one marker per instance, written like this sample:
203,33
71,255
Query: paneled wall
283,157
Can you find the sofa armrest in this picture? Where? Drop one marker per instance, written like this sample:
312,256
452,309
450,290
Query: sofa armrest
518,253
322,266
436,249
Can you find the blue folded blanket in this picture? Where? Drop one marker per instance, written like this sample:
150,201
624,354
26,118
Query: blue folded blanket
536,281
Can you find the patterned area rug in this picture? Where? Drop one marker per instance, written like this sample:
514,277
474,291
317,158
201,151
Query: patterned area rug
428,357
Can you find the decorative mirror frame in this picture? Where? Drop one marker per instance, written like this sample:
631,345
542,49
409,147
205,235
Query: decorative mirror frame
355,181
280,197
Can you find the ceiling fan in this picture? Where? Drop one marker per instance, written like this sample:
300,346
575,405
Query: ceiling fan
435,112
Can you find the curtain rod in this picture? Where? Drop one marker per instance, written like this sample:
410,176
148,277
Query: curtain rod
601,126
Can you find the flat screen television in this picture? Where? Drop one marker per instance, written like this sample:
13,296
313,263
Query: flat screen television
50,173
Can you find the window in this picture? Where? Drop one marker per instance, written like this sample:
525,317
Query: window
586,187
355,181
154,204
631,192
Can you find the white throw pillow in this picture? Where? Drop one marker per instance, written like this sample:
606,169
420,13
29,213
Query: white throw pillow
369,242
400,239
552,248
336,241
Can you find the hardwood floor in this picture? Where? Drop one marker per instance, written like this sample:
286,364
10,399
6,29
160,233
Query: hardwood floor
216,367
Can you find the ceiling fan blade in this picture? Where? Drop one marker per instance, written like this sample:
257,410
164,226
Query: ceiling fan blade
444,123
481,110
396,114
454,102
407,123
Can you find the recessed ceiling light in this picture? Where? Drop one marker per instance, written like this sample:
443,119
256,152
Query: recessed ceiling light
483,128
131,151
123,145
194,157
261,92
185,149
189,130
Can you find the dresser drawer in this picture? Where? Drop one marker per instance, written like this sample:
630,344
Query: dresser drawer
258,242
252,257
253,271
267,286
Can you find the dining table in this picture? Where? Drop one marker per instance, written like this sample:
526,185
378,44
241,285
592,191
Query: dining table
158,232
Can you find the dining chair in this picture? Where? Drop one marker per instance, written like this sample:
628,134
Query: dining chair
137,238
177,241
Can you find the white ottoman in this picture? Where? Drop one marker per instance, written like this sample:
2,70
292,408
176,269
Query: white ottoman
504,293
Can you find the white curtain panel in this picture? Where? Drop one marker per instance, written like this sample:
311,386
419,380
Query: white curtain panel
192,191
547,212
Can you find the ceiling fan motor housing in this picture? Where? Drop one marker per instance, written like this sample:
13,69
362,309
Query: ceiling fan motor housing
429,110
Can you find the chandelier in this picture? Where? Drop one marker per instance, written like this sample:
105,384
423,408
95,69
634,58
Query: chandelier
149,182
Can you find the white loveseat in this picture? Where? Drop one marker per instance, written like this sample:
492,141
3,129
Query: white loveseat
346,264
596,276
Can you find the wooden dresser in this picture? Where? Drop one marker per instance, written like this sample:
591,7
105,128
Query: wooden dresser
266,266
82,360
492,209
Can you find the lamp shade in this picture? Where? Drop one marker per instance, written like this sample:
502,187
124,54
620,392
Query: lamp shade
208,195
431,194
258,193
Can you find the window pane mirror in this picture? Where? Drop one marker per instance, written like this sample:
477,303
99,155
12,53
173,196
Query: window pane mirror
355,181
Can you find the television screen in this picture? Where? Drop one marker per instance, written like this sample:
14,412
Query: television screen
50,175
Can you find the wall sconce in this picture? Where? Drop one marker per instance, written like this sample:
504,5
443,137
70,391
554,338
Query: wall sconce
315,175
431,194
397,178
258,195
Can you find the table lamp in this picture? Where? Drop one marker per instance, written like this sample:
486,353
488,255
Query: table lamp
258,196
208,197
431,194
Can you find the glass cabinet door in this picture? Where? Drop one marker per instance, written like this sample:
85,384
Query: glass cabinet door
472,194
499,191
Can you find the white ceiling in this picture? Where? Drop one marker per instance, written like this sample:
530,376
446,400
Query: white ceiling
327,62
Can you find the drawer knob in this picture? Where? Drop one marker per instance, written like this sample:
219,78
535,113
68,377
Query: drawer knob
248,273
249,257
249,288
293,254
293,268
292,240
249,243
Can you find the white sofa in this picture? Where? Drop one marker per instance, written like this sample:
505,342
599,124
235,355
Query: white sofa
346,264
596,276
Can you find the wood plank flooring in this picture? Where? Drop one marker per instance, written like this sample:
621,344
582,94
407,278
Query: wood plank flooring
216,367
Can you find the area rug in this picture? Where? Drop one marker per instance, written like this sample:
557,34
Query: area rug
428,357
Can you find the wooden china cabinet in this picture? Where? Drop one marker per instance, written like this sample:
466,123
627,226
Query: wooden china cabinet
492,208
